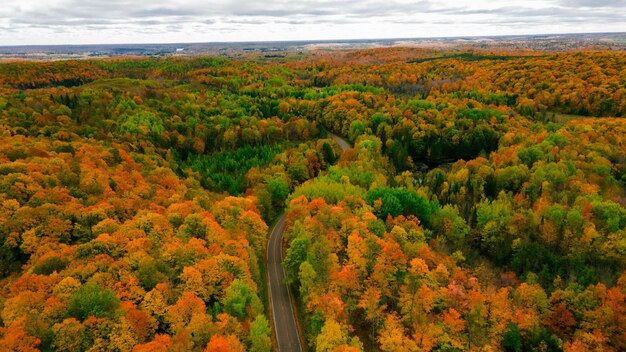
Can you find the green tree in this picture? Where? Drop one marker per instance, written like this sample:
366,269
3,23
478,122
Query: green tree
449,223
260,340
493,219
279,190
240,300
512,339
357,128
400,201
295,256
328,153
91,300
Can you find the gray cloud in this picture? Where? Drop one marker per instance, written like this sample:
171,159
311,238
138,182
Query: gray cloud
594,3
255,18
80,12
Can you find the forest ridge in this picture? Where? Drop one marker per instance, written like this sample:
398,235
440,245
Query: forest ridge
481,208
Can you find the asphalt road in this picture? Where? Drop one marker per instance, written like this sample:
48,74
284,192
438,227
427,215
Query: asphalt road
285,326
343,144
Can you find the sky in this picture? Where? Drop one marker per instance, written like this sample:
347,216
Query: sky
46,22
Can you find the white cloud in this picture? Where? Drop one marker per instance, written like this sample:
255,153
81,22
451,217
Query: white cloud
132,21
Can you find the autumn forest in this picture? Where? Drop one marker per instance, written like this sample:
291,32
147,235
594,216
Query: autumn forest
481,205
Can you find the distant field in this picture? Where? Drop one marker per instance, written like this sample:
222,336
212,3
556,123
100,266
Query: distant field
548,42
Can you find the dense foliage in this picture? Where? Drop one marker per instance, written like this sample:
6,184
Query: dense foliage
483,206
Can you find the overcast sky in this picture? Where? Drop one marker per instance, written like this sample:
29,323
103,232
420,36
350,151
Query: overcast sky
166,21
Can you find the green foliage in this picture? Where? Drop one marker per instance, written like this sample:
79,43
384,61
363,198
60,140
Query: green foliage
328,153
400,201
492,220
92,300
609,216
10,259
307,277
417,105
193,226
260,332
240,300
357,128
278,189
329,190
150,273
226,171
295,256
449,223
298,172
316,322
356,174
141,123
512,340
377,227
512,178
379,118
541,340
50,265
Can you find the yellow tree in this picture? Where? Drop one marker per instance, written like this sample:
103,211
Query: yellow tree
69,335
392,337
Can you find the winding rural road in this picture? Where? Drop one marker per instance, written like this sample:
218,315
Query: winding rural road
284,318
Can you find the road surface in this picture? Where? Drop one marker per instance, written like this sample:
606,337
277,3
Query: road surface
285,326
343,144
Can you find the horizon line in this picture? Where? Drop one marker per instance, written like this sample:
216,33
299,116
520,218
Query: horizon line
316,40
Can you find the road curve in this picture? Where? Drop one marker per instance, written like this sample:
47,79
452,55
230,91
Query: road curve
342,143
284,318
